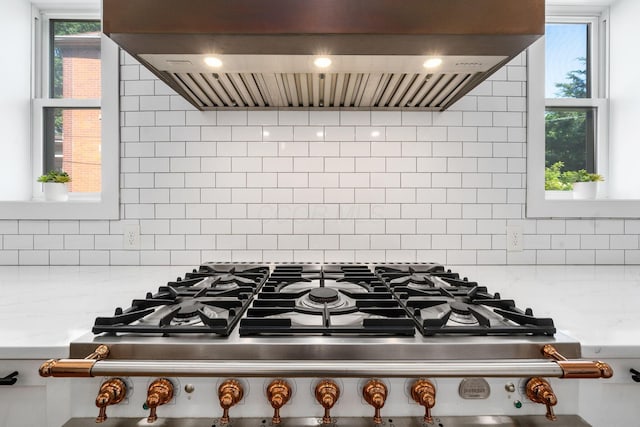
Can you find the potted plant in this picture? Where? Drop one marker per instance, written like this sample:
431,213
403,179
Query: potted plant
585,184
54,185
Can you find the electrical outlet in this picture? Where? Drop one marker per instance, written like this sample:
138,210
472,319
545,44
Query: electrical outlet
514,238
131,237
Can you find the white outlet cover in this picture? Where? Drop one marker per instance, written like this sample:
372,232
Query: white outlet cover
131,236
514,238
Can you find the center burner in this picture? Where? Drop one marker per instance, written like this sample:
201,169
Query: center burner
210,300
441,303
326,300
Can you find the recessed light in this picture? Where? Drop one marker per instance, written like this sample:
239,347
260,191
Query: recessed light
375,134
432,63
322,62
212,61
320,134
266,133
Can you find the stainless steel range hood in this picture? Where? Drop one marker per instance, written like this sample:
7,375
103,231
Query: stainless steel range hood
265,49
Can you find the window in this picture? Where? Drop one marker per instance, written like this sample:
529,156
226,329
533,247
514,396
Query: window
568,113
74,117
70,102
575,108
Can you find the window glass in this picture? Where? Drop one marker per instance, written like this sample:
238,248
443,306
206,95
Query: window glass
569,138
566,61
75,59
72,144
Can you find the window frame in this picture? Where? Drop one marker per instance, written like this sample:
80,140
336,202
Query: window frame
103,205
538,206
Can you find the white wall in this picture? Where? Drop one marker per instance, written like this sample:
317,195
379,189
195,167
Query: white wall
625,99
15,82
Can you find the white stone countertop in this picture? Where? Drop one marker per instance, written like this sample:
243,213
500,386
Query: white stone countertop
42,309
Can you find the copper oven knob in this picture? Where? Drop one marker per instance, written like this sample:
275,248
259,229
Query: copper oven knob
160,392
375,393
112,392
230,392
327,393
540,391
278,393
424,392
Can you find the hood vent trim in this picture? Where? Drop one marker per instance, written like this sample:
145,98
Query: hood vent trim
272,40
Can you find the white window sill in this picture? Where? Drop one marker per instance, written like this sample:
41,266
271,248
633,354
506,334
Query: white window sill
571,208
74,208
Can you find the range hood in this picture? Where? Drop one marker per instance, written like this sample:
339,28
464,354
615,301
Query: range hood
389,54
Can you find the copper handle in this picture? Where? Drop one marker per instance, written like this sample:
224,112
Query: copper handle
112,392
278,394
577,368
230,392
424,393
375,394
327,393
540,391
160,392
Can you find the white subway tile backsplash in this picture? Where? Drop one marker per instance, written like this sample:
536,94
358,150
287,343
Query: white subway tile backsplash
435,133
267,118
46,241
431,195
386,118
312,185
246,226
308,133
236,118
401,133
609,226
417,118
307,195
447,118
276,133
170,149
447,149
339,226
446,180
386,149
292,117
33,227
338,195
191,133
331,164
324,242
396,164
580,226
308,226
216,133
624,242
246,133
565,241
415,210
296,148
169,118
477,211
594,241
170,210
400,195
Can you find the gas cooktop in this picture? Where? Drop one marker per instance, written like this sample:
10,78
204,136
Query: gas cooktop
324,311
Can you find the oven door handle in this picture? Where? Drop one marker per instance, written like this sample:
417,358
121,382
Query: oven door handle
10,379
524,368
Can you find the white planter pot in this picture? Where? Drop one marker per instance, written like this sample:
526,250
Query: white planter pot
55,191
585,190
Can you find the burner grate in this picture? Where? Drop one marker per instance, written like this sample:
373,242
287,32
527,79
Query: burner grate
326,300
443,304
209,300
